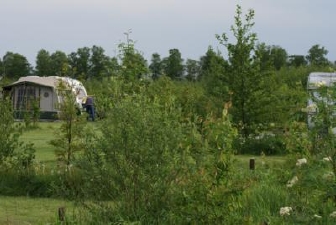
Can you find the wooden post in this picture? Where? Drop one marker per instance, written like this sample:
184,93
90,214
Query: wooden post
61,214
252,164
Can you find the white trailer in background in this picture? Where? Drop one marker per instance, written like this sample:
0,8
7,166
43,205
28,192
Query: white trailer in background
315,81
44,91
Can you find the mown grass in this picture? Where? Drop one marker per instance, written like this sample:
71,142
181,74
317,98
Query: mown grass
27,210
242,162
22,210
41,137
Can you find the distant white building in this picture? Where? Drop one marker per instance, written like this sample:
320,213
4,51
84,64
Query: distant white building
45,91
315,81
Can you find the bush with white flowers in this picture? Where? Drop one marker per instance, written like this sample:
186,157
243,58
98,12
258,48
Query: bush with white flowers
285,211
300,162
294,180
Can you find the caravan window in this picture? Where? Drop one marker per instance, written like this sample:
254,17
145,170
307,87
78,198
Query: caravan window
25,97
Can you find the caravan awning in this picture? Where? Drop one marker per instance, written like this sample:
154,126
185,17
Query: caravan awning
43,81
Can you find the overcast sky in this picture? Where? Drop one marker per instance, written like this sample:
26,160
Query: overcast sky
27,26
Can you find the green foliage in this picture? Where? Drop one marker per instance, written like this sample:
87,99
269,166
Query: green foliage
15,65
213,68
59,64
155,164
173,65
99,64
261,201
297,140
43,63
271,56
297,60
244,76
324,122
13,152
192,70
133,64
68,139
26,183
156,66
317,56
31,117
268,144
80,63
214,79
138,137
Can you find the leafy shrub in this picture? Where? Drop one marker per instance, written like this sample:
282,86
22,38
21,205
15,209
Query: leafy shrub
267,144
13,183
155,165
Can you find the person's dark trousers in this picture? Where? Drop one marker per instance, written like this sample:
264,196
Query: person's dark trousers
91,112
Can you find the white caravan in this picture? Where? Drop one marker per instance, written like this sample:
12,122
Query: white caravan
315,81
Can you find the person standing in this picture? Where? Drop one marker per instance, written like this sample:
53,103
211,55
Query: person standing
89,104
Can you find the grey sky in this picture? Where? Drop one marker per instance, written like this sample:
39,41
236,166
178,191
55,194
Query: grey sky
159,25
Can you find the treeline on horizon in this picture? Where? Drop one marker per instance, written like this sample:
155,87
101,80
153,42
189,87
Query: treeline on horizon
92,62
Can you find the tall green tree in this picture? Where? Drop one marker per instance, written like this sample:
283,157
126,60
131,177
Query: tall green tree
43,63
173,64
59,64
213,76
98,62
192,69
273,56
244,77
133,64
15,65
279,57
156,66
112,66
69,138
317,56
297,60
80,62
212,64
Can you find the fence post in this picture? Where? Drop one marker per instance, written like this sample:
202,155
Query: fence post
252,164
61,214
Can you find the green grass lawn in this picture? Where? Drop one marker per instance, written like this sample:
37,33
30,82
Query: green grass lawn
243,161
26,210
41,137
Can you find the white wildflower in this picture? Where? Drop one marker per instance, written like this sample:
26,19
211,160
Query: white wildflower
327,159
311,108
292,181
321,83
317,216
333,214
285,211
329,175
300,162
